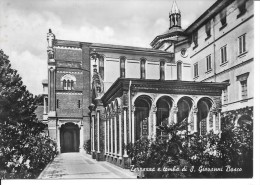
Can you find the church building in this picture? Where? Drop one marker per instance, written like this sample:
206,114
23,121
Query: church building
112,95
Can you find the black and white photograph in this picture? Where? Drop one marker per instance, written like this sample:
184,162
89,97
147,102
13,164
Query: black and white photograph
128,89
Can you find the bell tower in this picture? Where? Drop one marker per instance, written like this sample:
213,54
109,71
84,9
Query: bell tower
175,16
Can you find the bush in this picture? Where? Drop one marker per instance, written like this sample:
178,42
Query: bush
87,146
186,155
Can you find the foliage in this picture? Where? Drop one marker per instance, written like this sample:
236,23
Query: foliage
24,149
186,155
87,146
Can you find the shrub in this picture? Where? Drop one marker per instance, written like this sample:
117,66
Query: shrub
87,146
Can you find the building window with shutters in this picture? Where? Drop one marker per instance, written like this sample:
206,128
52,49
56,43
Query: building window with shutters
208,60
243,85
196,70
58,103
122,67
79,104
223,18
208,30
101,66
142,65
195,39
223,54
225,94
241,5
242,44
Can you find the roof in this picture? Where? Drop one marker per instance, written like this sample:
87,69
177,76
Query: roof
175,8
162,86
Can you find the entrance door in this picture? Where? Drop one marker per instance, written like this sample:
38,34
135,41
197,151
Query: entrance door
68,142
69,138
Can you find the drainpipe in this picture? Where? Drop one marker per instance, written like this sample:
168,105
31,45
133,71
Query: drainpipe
214,49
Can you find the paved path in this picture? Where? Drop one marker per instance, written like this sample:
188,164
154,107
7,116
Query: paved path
81,166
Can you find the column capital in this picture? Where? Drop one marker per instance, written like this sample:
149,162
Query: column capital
125,107
133,108
195,110
174,109
154,109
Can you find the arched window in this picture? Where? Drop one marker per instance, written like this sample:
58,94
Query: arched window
162,70
179,71
68,82
142,66
101,67
122,67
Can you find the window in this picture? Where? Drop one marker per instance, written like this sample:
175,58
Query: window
196,70
101,67
243,89
122,67
58,103
223,18
241,5
79,104
242,44
223,52
195,38
208,59
243,84
207,29
68,82
162,70
225,95
179,71
142,69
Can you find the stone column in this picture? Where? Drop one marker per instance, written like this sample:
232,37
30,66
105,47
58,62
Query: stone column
125,132
105,139
174,111
44,105
81,138
98,142
133,124
111,132
115,141
108,134
219,122
208,119
93,134
120,132
195,111
214,122
154,122
58,138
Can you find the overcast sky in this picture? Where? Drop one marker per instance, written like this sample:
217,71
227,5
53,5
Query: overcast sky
25,23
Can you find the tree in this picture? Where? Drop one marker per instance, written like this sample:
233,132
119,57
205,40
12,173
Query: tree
24,149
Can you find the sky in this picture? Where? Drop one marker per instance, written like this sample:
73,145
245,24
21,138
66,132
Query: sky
24,25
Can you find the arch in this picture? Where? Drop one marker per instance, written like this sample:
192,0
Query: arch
142,106
142,94
208,98
184,104
69,137
204,106
164,95
68,77
244,120
164,104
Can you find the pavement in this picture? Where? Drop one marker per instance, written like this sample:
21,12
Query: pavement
82,166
